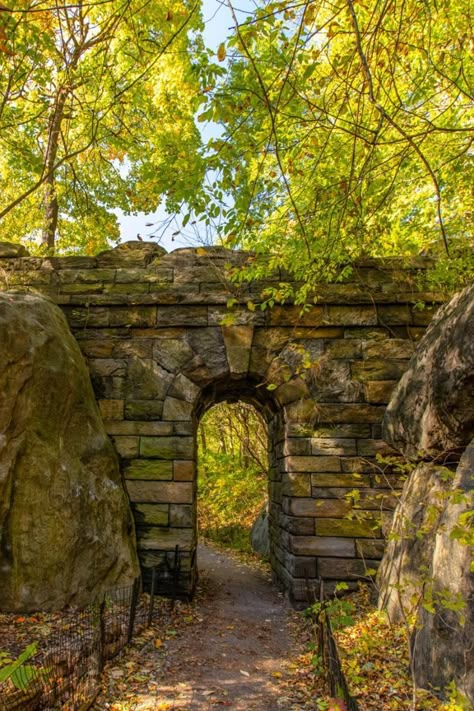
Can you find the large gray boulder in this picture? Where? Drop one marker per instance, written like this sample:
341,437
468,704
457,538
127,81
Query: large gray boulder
432,408
425,573
443,645
66,532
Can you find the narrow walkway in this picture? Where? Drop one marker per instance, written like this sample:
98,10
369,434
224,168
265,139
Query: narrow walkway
235,654
233,651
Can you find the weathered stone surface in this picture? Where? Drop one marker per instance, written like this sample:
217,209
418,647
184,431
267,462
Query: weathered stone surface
167,447
442,646
238,342
146,380
10,249
177,410
151,469
133,253
259,536
151,514
432,409
323,546
65,527
165,492
162,349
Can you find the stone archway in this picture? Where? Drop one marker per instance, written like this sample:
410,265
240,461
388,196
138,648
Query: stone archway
156,334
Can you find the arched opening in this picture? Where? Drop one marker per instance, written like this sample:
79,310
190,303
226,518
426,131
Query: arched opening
226,398
232,477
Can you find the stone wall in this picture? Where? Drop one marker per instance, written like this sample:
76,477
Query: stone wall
162,347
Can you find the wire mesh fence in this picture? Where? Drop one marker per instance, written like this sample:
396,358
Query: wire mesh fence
64,671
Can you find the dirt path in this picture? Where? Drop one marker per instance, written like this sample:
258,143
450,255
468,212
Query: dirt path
234,652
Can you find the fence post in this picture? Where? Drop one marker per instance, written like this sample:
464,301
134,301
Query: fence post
133,608
101,635
152,594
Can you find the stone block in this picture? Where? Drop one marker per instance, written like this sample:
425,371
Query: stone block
297,525
241,316
352,315
342,431
132,427
150,514
379,391
181,515
129,288
341,569
149,469
172,353
183,388
347,348
299,566
208,343
393,314
166,539
312,464
324,508
138,347
149,275
300,446
323,546
132,316
423,317
367,527
372,447
366,334
333,446
146,380
292,390
111,409
177,410
358,465
107,367
167,447
182,316
126,447
296,484
349,413
94,317
391,348
160,492
183,470
369,370
366,548
143,409
97,348
322,480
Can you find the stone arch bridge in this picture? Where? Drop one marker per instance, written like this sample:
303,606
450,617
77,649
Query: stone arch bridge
162,346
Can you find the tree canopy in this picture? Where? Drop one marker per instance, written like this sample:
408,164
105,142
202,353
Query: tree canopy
347,131
345,126
96,113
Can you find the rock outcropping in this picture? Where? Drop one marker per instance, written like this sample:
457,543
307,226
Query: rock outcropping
432,409
66,533
426,566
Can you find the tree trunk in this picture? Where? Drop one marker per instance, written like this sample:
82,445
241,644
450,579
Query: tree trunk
50,200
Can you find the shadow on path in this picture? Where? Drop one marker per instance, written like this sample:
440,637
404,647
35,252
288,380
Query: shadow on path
233,656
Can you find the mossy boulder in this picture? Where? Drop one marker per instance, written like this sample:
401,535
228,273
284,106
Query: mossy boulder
66,532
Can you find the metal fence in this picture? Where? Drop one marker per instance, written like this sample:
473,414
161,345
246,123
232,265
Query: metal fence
65,671
327,646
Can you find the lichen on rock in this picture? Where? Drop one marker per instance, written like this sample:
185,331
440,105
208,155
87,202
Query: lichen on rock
66,532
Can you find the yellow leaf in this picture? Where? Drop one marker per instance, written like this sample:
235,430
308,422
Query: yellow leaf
276,675
158,643
221,52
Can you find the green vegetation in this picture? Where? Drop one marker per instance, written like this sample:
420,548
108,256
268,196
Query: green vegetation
232,479
345,129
